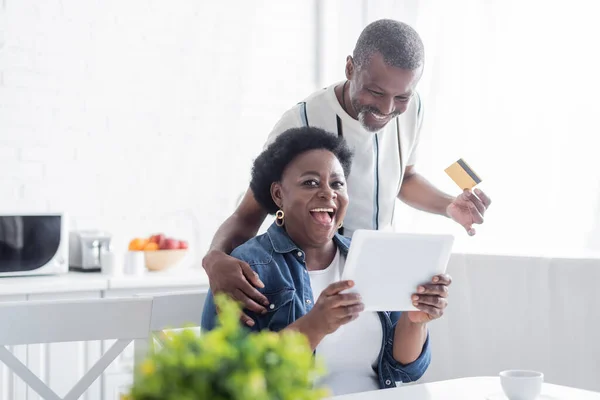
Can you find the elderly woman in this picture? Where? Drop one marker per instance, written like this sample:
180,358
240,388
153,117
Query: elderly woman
301,178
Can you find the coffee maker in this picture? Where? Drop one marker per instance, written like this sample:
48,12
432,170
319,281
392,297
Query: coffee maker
85,250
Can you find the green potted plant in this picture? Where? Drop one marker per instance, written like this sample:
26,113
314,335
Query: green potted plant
230,363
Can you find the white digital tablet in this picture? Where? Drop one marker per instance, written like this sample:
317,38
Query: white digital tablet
387,267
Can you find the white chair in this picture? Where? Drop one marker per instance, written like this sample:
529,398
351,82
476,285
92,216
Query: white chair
33,322
169,311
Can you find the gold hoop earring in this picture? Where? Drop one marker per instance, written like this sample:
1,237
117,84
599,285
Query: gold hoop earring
279,217
341,224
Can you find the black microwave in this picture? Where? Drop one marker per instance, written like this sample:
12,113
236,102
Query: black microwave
33,244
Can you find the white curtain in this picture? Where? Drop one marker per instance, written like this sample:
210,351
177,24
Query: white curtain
510,86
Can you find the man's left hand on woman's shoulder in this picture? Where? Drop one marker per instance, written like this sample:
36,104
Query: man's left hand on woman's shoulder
431,299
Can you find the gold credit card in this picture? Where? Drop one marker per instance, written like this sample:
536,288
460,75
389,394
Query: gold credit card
463,175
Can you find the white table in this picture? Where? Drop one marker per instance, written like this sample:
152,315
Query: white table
477,388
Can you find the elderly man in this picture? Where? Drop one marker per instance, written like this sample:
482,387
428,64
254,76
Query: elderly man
379,112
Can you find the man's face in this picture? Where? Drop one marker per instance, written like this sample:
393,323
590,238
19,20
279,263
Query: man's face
380,92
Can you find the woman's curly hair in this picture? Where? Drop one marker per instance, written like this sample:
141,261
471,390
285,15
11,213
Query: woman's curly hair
269,165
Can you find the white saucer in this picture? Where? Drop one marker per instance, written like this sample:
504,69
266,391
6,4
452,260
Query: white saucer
502,396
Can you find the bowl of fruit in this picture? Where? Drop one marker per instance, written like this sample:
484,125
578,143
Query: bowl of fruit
160,252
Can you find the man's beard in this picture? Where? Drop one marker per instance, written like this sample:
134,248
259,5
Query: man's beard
364,110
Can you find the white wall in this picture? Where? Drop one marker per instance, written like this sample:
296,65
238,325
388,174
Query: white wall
127,114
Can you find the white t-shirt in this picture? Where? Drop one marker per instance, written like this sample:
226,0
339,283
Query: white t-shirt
351,352
380,158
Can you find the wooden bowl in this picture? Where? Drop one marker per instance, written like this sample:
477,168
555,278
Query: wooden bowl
159,260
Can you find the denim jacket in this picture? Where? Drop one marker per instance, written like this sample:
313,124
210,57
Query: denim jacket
280,265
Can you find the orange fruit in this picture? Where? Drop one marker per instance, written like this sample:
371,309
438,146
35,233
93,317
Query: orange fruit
137,244
151,246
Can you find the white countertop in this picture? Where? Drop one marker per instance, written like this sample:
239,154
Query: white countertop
175,278
90,281
195,277
472,388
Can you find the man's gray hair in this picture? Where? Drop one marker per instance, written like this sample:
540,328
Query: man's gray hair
398,43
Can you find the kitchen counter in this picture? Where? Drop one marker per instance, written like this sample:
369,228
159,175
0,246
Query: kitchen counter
186,276
64,365
94,281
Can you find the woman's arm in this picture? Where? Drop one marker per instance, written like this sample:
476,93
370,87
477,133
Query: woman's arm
409,338
407,361
408,351
410,333
332,310
308,329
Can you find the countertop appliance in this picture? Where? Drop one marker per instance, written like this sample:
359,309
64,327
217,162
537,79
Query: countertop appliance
85,250
33,244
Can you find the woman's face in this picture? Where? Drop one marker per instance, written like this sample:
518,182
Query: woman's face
312,194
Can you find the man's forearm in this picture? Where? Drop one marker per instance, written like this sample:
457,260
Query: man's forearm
409,338
232,233
419,193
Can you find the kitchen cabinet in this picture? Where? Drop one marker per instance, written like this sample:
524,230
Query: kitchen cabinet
116,386
123,364
11,386
61,365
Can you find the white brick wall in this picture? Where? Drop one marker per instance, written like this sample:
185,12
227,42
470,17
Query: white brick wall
131,116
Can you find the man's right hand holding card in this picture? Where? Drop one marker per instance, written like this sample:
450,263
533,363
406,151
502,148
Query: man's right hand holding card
469,207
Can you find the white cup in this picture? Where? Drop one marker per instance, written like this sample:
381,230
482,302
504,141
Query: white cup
135,263
112,264
521,384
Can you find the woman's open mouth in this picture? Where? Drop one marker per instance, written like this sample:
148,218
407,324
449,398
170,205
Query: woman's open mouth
323,216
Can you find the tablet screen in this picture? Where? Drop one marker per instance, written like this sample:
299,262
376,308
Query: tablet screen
387,267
